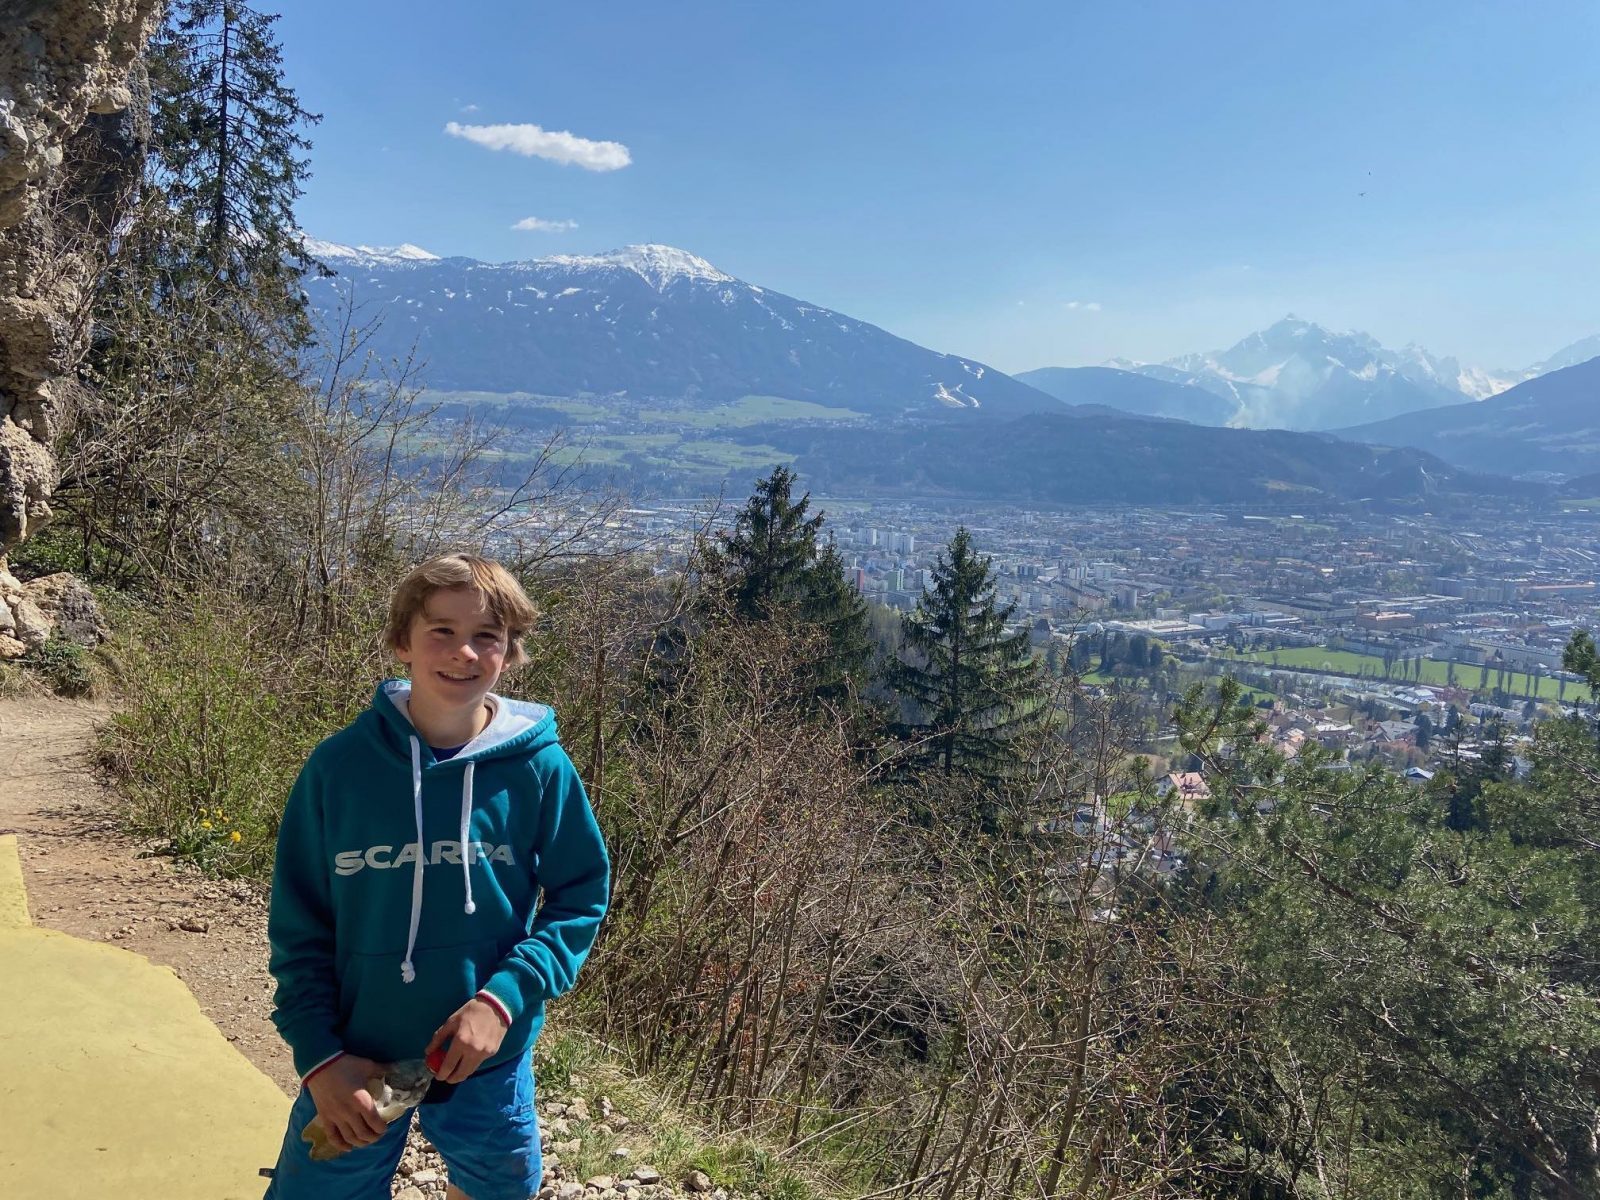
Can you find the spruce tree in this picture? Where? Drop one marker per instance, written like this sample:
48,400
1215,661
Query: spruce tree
834,606
972,688
771,566
228,148
769,555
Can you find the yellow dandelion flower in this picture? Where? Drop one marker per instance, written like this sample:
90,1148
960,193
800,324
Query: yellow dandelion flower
205,824
234,836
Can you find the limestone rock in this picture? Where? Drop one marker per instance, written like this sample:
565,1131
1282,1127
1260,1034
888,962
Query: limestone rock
68,75
68,606
32,627
648,1176
697,1181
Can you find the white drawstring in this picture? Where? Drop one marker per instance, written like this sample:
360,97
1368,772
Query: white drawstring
466,846
407,971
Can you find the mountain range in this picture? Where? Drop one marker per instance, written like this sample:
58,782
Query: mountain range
1298,375
646,323
674,370
1549,425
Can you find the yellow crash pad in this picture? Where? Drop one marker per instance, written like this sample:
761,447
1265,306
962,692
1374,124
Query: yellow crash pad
115,1083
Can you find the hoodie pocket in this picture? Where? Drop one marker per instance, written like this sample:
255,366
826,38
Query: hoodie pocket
387,1019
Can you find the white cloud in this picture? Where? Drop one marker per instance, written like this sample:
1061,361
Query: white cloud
1085,305
532,141
540,225
469,108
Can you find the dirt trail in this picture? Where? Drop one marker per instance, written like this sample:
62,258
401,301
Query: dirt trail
86,879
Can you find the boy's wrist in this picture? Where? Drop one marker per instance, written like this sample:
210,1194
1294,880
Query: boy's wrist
495,1005
320,1067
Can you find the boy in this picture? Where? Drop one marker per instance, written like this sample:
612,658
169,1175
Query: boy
404,914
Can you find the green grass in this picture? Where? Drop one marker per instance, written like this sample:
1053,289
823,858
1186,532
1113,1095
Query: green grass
567,1064
672,451
730,456
1435,672
750,410
578,410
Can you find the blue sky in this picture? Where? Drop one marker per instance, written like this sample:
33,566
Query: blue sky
1026,183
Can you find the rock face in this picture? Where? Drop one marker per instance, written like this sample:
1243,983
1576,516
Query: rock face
72,121
67,604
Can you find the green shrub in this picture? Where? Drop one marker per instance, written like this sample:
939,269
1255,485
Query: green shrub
221,710
66,667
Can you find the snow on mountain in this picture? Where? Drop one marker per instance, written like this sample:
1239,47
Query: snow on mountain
646,323
1546,425
1568,356
658,265
336,255
1298,375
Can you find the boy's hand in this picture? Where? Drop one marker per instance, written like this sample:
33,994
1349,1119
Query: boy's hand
345,1105
475,1032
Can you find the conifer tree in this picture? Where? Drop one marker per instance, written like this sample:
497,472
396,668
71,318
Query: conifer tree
833,605
228,147
771,565
972,687
770,553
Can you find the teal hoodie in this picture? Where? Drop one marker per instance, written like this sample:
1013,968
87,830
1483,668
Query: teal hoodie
404,886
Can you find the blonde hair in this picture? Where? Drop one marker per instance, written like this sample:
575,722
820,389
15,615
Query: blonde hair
502,595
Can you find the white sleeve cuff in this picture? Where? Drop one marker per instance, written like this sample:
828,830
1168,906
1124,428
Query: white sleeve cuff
499,1009
306,1078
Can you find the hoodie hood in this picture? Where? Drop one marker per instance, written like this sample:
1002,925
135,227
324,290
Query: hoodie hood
518,727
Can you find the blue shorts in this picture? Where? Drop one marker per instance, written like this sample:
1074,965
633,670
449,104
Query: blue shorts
487,1132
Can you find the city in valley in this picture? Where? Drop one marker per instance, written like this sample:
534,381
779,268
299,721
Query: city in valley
1400,638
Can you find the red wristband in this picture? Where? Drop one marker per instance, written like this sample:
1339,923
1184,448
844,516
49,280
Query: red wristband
325,1063
499,1009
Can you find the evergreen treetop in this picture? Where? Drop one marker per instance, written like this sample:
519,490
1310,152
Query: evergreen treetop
972,687
228,154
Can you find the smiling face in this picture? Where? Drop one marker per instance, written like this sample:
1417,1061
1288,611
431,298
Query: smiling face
456,649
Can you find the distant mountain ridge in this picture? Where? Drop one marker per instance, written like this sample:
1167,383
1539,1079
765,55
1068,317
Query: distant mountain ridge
1547,425
651,322
1045,458
667,346
1299,375
1296,374
1131,392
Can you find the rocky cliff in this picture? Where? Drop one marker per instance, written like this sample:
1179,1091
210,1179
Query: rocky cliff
71,133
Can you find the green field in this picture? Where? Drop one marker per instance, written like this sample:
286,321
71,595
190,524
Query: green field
749,410
670,450
1434,671
577,410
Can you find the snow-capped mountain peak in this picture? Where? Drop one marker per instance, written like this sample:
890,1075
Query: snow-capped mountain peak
656,264
647,323
334,253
